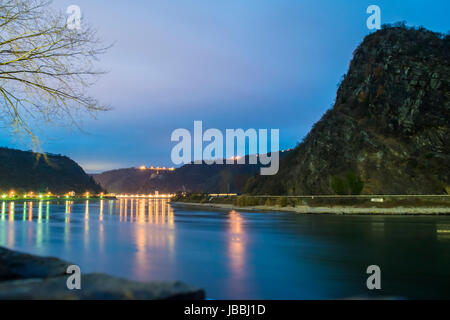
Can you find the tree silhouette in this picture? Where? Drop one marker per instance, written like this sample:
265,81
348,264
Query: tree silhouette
45,67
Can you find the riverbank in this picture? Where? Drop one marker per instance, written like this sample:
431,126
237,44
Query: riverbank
323,210
56,198
28,277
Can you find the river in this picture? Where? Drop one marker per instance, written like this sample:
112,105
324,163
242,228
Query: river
237,254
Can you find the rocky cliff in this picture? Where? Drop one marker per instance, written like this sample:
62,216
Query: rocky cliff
389,126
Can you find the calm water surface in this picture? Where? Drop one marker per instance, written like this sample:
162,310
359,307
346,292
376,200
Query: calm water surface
238,255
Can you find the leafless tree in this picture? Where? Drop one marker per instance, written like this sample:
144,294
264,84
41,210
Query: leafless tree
45,67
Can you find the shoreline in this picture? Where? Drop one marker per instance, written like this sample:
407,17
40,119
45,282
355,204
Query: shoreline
61,198
324,210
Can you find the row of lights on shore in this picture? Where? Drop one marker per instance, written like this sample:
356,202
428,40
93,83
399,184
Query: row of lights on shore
32,195
145,195
157,168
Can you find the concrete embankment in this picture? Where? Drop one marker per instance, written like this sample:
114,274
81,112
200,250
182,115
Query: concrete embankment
324,210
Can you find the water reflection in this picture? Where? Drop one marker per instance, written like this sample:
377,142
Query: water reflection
146,211
92,216
24,212
69,205
236,247
86,226
11,219
40,212
443,231
101,235
101,210
11,211
235,254
377,225
30,211
47,212
110,205
39,227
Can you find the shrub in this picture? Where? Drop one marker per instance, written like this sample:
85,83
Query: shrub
245,201
282,201
338,185
292,202
241,201
354,183
350,183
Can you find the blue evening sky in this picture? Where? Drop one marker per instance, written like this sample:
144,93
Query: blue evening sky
230,63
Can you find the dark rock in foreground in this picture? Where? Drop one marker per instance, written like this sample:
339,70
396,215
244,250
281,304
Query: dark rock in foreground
96,286
16,265
24,276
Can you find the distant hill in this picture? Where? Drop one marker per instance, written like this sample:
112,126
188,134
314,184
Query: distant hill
127,180
388,131
25,171
190,178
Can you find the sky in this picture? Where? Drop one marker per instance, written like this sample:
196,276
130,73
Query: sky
229,63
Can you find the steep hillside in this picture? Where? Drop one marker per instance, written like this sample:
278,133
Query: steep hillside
389,126
204,178
189,178
128,180
25,171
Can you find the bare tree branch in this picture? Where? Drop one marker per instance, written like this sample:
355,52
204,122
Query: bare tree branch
45,68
